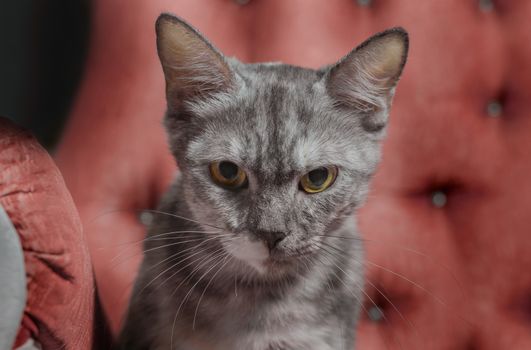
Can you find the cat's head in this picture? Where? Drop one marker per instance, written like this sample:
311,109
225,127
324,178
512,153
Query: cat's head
276,155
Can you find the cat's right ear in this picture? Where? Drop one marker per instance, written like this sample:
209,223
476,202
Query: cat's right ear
192,66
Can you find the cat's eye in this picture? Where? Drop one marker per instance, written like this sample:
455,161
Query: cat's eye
318,180
228,175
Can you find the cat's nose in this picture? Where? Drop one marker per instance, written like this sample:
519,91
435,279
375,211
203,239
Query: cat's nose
271,238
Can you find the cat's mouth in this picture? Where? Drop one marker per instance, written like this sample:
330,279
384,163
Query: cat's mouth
257,255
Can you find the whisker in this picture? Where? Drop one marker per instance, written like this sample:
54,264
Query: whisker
410,250
191,289
424,289
155,211
183,218
355,296
178,243
216,254
353,238
181,252
153,249
406,320
178,232
309,269
235,287
156,237
174,266
177,264
208,284
411,325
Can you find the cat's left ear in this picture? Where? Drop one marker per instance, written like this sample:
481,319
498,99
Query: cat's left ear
193,68
365,79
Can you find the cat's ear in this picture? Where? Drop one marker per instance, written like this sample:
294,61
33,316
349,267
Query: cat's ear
365,79
192,66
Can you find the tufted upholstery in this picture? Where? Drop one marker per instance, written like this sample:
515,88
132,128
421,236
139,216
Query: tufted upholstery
447,223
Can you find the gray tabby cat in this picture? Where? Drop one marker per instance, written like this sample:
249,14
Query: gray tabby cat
255,246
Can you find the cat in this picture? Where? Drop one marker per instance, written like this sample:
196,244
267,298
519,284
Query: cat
255,244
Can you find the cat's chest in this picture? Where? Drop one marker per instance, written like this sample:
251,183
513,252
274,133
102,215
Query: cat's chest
294,339
289,324
296,336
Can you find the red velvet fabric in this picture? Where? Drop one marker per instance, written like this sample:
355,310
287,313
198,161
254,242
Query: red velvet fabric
60,302
453,270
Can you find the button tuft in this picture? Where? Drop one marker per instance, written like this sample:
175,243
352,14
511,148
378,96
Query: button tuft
486,5
494,109
375,314
364,3
242,2
145,218
439,199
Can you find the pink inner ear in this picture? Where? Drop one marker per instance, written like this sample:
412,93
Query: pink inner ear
384,58
192,66
365,78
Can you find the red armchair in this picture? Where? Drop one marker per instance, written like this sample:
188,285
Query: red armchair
59,308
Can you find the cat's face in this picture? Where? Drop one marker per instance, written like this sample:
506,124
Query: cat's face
275,155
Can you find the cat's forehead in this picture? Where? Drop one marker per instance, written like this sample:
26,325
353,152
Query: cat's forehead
275,124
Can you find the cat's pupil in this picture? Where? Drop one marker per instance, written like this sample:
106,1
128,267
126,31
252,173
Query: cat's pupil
229,170
318,176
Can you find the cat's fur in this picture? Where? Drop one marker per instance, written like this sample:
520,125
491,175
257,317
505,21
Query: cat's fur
223,289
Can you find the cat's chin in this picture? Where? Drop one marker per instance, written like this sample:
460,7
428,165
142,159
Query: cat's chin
252,253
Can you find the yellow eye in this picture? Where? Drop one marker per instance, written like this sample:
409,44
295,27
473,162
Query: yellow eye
227,174
318,179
